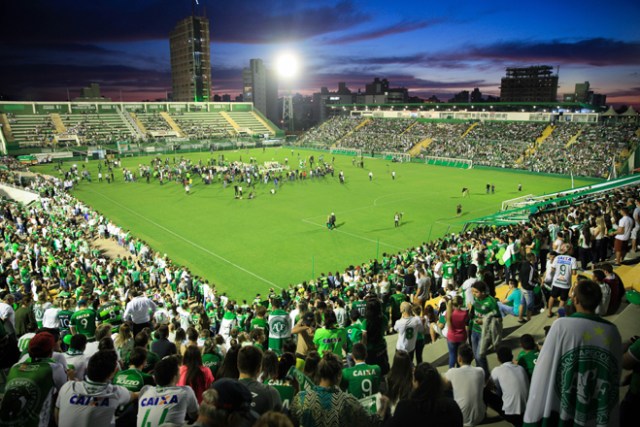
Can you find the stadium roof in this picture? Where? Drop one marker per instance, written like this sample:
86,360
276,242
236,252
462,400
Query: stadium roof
496,106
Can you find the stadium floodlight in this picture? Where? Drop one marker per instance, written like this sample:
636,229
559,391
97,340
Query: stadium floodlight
287,65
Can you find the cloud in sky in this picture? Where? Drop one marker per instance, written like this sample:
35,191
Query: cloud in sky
246,21
597,52
397,28
413,44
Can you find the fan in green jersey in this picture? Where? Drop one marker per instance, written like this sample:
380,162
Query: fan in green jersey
362,380
83,321
110,311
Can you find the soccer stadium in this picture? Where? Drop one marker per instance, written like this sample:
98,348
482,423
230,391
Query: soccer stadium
171,225
206,238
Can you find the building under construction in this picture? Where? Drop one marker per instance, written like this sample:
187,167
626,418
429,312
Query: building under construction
530,84
191,60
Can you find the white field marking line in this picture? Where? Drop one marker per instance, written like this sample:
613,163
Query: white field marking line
375,202
354,235
190,242
363,207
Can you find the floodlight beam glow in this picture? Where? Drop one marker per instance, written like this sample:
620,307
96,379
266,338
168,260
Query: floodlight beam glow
287,65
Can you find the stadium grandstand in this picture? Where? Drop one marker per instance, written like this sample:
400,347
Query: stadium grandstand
134,338
537,140
44,126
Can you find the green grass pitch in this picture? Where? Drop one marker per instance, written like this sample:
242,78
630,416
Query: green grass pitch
247,246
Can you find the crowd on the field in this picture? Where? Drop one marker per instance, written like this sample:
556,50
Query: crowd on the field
136,339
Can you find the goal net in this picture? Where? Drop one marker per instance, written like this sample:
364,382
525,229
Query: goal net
347,151
449,161
396,157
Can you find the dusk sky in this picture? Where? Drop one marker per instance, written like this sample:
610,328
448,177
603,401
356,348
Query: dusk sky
429,47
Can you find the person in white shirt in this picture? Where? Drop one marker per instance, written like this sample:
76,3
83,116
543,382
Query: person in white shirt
50,317
408,328
165,402
466,286
512,386
467,383
562,269
75,357
94,401
341,313
7,315
622,235
139,310
636,228
603,307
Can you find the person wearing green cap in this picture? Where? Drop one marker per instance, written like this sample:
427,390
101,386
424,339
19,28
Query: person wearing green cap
76,360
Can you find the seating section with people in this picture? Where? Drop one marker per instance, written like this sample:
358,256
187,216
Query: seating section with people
53,275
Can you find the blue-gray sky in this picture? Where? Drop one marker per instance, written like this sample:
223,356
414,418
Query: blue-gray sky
429,47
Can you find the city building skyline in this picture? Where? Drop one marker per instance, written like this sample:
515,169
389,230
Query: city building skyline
435,49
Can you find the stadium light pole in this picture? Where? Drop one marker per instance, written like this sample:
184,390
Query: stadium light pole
287,66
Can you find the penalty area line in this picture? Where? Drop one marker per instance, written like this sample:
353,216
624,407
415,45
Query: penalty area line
194,244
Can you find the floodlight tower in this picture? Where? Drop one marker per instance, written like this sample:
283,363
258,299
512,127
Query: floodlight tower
287,69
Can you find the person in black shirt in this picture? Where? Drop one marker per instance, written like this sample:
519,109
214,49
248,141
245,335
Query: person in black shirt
427,402
528,280
162,346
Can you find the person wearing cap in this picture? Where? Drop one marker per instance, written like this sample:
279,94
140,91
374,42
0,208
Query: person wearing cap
93,401
83,321
31,385
165,402
75,357
139,311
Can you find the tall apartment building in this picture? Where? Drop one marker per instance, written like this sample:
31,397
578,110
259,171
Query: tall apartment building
260,87
191,60
530,84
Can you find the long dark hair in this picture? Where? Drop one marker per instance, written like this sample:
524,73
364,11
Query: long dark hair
375,320
229,367
192,359
399,377
430,387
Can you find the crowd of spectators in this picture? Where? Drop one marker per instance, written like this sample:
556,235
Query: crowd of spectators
580,149
138,340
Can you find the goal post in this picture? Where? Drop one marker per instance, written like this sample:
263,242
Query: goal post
449,161
396,156
346,151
